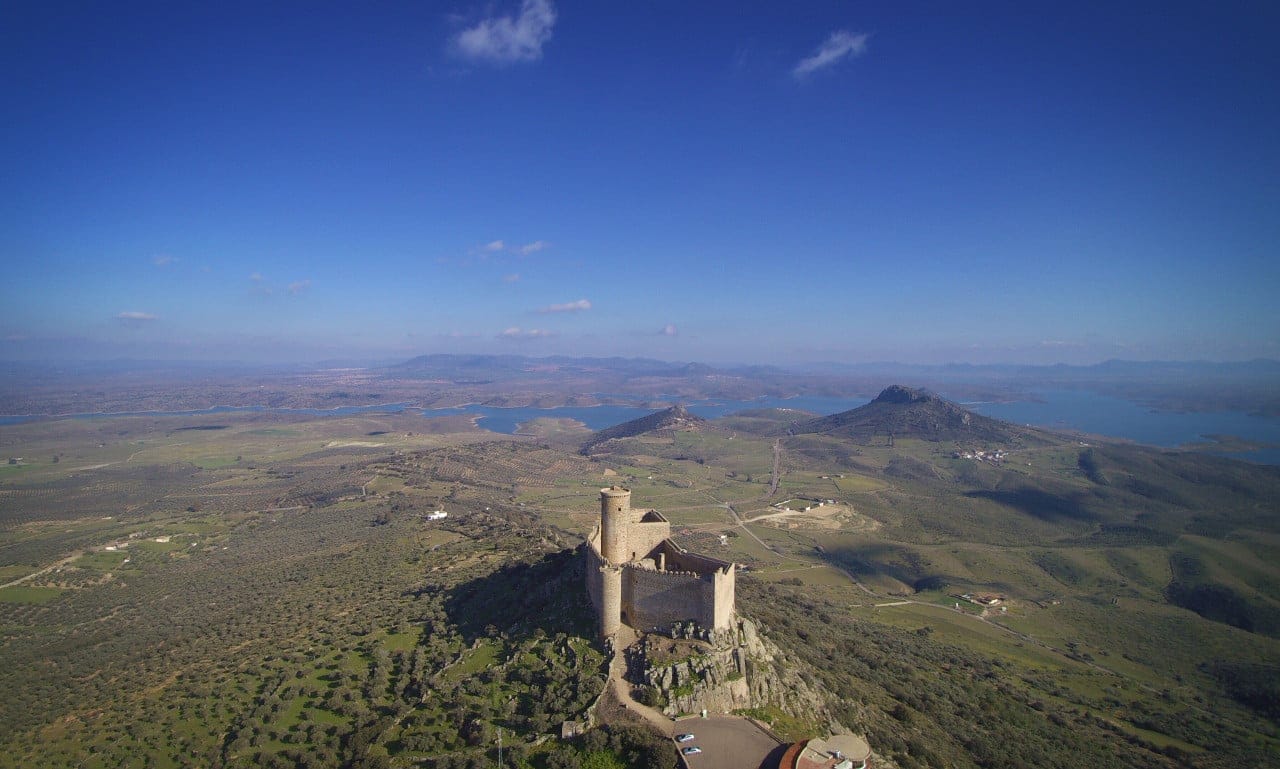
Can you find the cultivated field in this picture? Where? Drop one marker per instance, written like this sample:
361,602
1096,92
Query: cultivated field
266,590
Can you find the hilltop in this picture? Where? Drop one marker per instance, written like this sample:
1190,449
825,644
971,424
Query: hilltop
675,418
961,608
906,412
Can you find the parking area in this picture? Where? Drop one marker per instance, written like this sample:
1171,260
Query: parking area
728,743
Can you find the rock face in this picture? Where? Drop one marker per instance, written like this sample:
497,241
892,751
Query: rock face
906,412
723,672
675,418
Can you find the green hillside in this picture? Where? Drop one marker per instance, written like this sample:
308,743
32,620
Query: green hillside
277,596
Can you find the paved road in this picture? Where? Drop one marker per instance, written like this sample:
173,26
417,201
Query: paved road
727,743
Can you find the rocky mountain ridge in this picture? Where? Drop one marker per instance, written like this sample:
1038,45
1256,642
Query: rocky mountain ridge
907,412
675,418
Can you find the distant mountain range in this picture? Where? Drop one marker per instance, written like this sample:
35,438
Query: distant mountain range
507,366
1259,367
28,387
1250,386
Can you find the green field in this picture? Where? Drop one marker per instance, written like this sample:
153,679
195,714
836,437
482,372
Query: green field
304,610
32,595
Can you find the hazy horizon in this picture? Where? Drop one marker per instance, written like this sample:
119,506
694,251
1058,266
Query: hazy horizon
719,183
815,366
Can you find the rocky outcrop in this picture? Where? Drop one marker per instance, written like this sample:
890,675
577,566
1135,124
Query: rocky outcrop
692,670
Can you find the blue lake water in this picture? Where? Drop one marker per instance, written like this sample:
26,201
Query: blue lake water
494,418
1056,409
1104,415
506,420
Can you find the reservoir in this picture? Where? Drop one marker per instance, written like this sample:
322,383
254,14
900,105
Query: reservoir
1105,415
1075,410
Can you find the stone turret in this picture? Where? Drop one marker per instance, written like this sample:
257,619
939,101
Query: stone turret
615,516
610,600
637,576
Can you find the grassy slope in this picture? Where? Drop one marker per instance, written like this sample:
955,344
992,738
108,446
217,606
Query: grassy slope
317,633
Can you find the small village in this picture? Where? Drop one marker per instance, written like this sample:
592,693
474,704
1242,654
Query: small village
994,457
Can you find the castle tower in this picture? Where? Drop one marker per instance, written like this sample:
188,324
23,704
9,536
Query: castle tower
610,600
615,516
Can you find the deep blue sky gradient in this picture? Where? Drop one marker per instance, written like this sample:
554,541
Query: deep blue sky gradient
984,182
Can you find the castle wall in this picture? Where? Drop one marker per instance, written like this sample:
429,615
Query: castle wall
643,538
594,563
659,598
604,586
723,584
682,560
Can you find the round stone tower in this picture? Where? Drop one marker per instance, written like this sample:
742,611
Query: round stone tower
610,600
615,515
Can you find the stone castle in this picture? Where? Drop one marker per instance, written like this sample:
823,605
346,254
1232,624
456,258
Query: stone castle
637,576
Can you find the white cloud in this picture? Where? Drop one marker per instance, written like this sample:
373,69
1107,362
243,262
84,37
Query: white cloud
533,248
511,277
509,39
496,245
299,286
256,277
163,260
668,330
841,45
578,306
515,332
133,316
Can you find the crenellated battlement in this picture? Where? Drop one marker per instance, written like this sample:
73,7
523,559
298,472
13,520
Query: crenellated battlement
637,575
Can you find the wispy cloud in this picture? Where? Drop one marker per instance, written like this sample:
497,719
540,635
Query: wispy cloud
259,286
299,286
163,260
515,332
839,46
133,316
668,330
578,306
503,40
483,253
512,277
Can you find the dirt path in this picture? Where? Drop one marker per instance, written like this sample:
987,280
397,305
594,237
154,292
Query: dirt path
777,467
737,519
621,690
43,571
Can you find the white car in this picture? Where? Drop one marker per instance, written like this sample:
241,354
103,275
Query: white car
689,751
683,737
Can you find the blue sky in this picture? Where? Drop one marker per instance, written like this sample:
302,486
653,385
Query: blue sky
773,183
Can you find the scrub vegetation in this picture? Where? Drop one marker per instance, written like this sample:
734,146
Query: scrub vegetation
272,592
